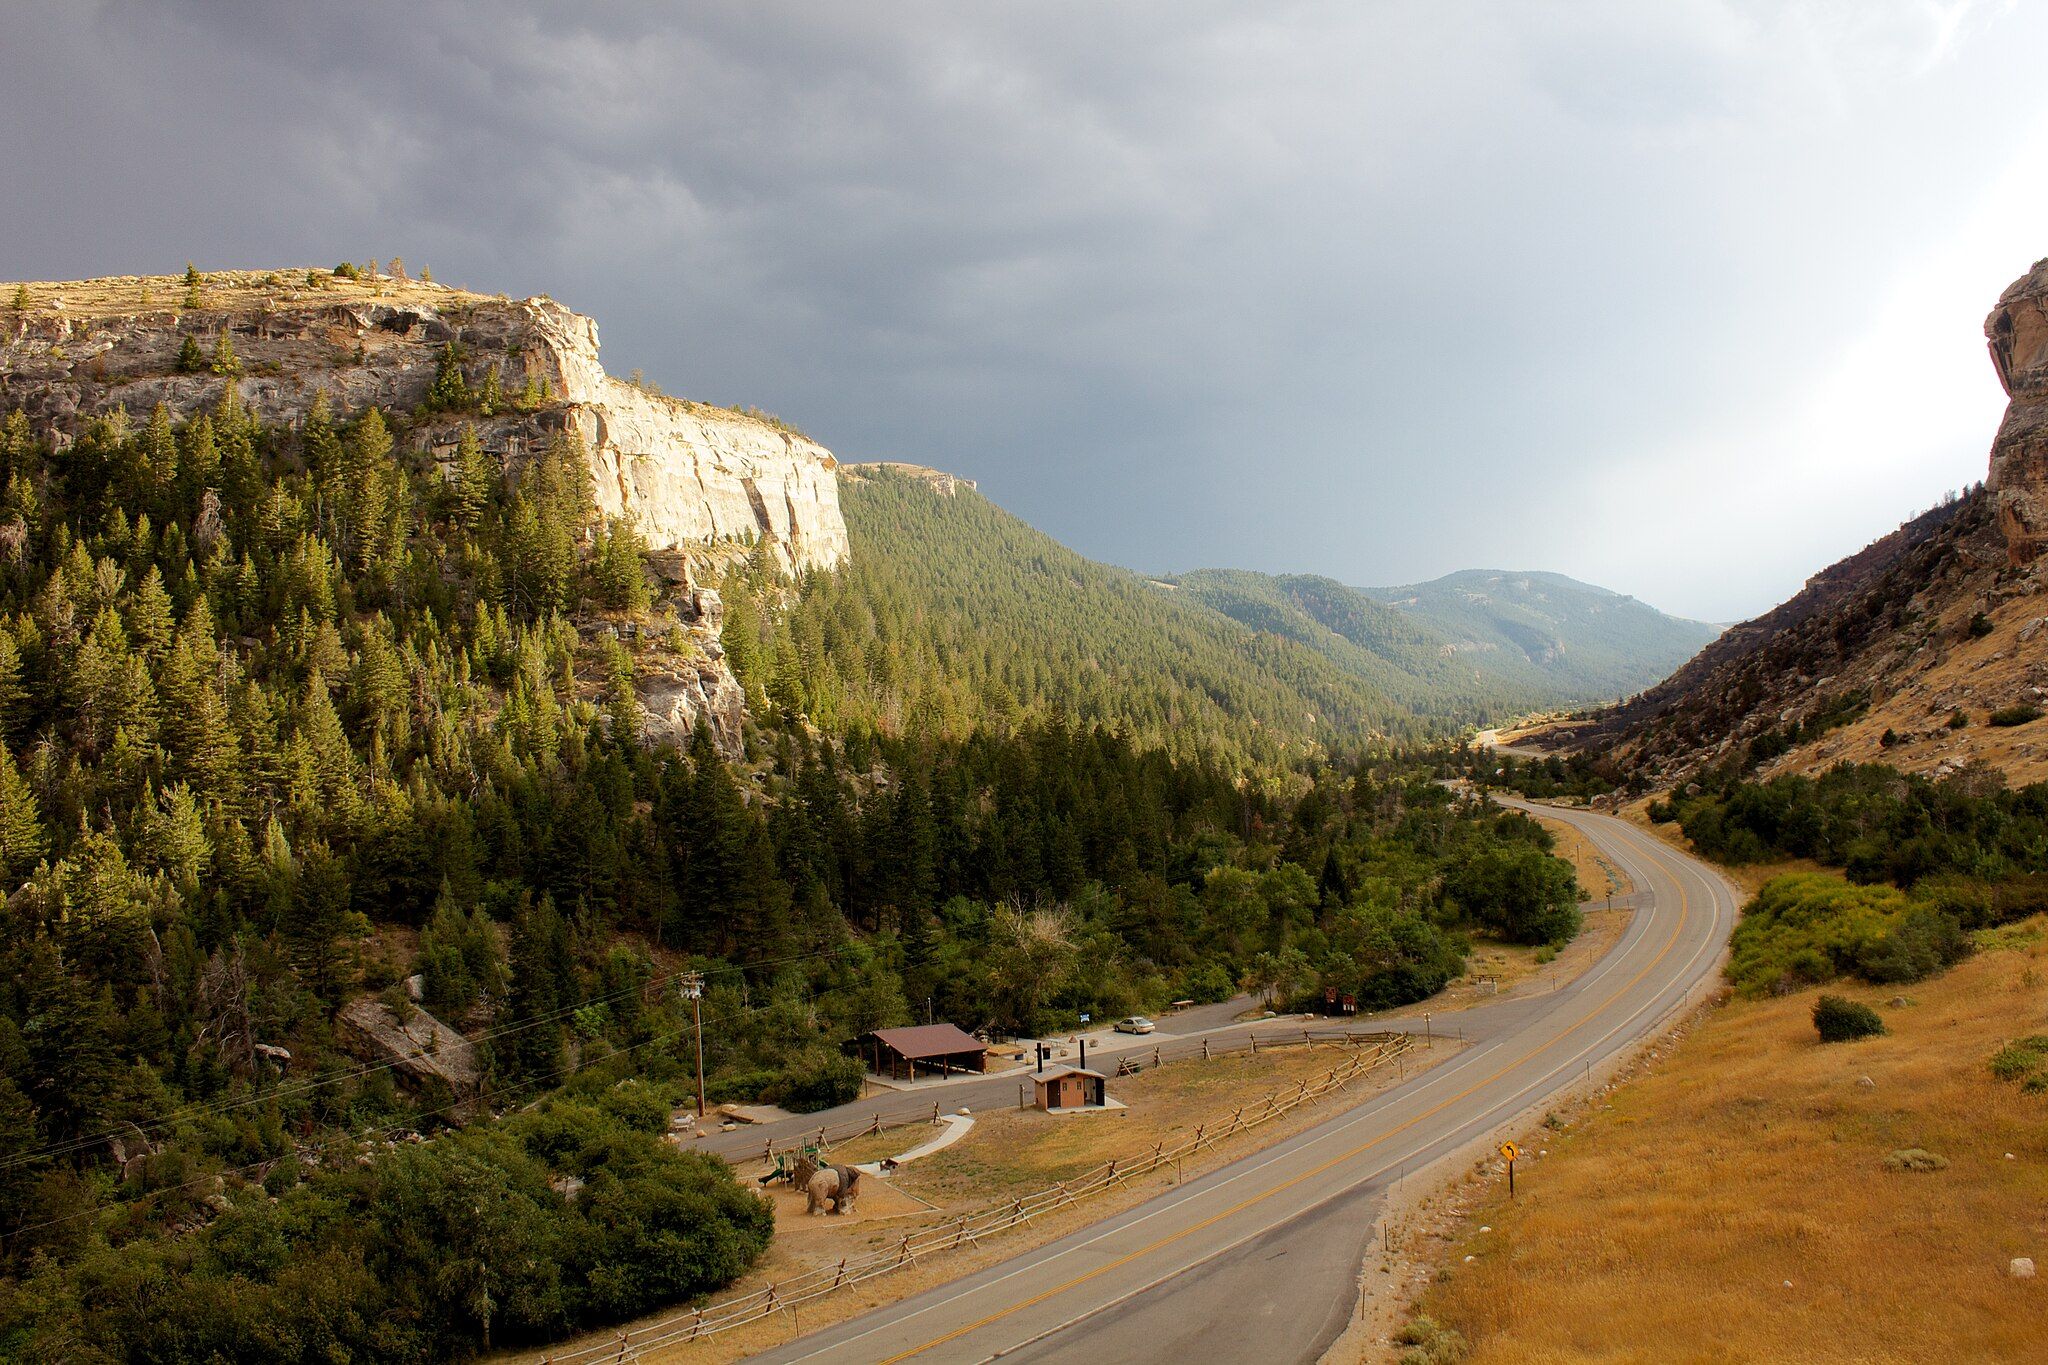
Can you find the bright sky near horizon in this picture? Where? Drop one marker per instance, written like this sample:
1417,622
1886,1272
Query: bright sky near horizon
1683,299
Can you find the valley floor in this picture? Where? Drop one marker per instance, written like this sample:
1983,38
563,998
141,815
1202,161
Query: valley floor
1734,1202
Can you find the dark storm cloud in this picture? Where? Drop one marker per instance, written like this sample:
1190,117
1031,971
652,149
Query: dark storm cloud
1376,291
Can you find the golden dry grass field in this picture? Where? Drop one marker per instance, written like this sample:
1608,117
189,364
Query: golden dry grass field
1733,1204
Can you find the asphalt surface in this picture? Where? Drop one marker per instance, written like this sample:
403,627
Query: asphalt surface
1259,1259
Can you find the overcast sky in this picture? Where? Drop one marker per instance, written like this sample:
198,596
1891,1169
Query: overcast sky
1682,298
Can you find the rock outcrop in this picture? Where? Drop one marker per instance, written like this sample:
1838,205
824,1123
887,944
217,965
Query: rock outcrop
684,473
427,1054
2017,331
1901,653
703,485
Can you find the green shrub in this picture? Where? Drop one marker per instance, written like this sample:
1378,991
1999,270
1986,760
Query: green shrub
2015,715
1980,626
1958,719
1808,928
817,1079
1429,1342
2024,1061
1840,1021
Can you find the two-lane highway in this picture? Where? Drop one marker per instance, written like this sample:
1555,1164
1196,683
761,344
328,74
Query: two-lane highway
1258,1260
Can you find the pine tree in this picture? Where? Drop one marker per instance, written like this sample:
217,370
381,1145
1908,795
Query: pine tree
191,360
469,490
224,362
13,693
159,453
199,457
491,398
21,299
21,825
193,282
539,992
619,568
622,706
450,390
149,615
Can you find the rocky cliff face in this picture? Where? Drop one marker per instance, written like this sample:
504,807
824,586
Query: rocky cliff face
2018,333
1900,653
700,482
685,473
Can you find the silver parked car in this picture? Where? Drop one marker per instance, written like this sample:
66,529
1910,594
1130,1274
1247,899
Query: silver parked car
1137,1023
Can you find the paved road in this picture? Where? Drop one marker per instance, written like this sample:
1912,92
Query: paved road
1258,1260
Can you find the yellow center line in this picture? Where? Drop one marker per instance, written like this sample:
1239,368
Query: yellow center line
1340,1159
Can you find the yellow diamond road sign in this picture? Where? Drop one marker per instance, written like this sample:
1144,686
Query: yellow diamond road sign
1510,1151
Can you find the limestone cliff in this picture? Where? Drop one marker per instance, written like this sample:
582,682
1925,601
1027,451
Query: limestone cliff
701,483
685,473
2018,334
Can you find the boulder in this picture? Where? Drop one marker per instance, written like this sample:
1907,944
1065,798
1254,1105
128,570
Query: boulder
427,1054
2021,1268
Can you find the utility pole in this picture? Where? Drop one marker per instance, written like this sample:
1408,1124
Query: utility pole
693,991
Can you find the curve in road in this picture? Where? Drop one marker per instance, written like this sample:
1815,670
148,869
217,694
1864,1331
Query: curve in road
1259,1259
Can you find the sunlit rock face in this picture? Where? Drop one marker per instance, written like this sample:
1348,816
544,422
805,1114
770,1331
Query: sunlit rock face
684,473
2018,332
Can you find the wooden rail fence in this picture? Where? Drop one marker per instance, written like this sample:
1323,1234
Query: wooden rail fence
790,1294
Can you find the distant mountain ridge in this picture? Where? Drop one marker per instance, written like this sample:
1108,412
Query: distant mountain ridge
1502,640
1398,657
1550,632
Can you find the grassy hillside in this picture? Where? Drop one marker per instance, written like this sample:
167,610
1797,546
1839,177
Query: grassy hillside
954,613
1398,657
1569,640
1749,1198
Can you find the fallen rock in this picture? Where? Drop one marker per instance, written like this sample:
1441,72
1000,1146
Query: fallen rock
422,1050
2022,1268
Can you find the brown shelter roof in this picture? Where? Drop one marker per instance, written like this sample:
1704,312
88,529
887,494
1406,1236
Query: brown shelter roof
928,1040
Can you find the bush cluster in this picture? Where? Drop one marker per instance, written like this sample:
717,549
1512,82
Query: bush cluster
1839,1021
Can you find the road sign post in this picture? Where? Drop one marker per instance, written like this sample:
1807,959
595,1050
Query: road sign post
1510,1151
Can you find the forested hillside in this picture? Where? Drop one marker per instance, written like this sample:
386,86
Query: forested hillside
955,614
1398,657
294,715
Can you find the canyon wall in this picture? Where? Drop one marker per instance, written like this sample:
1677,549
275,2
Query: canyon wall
2018,334
685,473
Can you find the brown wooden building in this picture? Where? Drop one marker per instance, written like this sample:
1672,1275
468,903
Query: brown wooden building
1069,1087
938,1048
